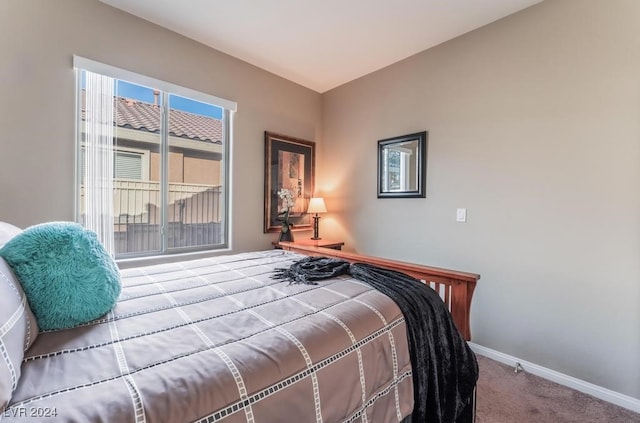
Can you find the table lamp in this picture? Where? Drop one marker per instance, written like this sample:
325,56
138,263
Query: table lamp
316,205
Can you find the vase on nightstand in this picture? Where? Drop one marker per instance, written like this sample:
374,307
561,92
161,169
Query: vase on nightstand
285,230
285,233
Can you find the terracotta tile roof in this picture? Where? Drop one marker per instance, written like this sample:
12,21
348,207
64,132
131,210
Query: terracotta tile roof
136,114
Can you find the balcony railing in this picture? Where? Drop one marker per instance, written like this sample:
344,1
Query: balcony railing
194,215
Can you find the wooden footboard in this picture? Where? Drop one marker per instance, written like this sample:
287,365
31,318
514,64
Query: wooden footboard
455,288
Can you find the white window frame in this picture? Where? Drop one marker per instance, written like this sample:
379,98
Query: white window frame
229,107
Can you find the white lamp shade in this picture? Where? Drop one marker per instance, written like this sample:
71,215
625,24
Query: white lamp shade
316,205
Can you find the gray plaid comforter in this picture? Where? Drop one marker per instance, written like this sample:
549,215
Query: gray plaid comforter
218,340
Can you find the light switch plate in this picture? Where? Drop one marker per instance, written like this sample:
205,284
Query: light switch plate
461,215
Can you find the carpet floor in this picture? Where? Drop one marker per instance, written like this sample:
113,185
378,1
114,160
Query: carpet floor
504,396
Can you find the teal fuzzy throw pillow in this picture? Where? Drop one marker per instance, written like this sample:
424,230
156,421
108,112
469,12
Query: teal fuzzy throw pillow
66,273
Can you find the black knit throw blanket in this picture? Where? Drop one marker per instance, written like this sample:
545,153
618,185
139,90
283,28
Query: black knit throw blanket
445,370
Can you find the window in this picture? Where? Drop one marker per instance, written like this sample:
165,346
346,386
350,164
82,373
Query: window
128,165
152,162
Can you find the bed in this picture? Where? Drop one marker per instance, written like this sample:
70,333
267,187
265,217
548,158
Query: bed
220,340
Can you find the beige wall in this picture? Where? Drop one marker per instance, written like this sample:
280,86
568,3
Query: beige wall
190,170
201,171
37,41
176,167
534,127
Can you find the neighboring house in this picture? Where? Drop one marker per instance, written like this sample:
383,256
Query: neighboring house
193,171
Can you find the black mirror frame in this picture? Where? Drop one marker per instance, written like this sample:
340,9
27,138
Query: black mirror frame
420,192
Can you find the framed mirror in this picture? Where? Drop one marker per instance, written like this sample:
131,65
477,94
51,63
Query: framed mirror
402,166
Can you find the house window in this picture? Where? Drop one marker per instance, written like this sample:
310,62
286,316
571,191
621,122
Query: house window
128,165
152,162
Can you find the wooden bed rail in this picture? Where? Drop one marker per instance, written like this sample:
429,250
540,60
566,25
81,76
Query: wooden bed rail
455,288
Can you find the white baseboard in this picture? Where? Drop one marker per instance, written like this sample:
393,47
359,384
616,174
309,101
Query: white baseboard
604,394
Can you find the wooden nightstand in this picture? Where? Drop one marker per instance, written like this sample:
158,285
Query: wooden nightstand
325,243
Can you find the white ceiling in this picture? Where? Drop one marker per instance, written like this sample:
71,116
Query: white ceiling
321,44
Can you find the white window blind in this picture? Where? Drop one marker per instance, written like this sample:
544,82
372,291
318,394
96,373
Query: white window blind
128,165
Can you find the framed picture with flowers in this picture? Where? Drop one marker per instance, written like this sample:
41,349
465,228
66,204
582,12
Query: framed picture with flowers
289,176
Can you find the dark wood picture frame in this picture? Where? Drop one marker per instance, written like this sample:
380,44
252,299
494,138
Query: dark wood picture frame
402,166
289,163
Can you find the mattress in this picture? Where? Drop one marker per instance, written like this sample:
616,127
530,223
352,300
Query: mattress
219,340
